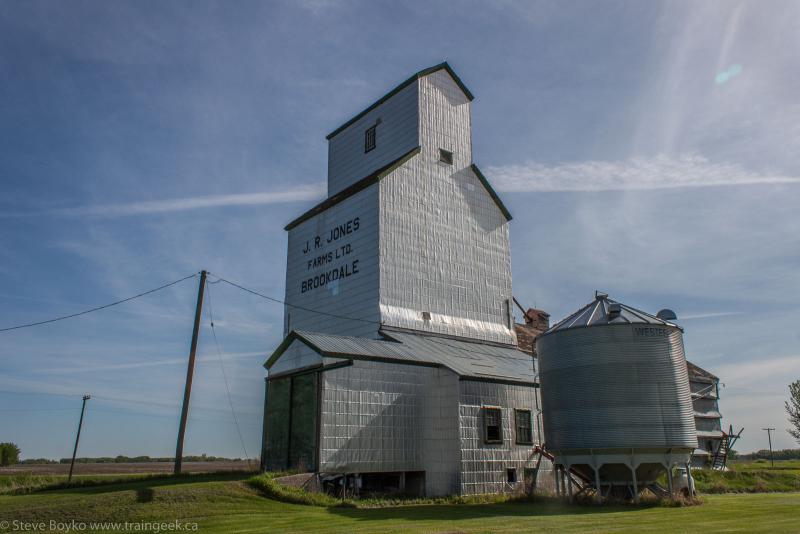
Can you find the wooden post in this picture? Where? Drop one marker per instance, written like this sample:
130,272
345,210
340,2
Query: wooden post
769,437
187,392
77,437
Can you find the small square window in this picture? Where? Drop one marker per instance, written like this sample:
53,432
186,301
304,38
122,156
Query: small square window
445,156
523,424
369,138
511,475
493,425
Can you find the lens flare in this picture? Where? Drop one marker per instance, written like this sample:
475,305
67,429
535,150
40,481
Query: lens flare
727,75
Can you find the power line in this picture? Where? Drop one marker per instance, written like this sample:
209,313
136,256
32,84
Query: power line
98,308
224,374
279,301
160,416
120,401
14,410
123,412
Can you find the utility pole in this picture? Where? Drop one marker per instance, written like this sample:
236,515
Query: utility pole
769,437
187,392
77,437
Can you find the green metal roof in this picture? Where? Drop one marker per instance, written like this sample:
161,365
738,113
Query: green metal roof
412,79
351,190
471,359
379,175
492,192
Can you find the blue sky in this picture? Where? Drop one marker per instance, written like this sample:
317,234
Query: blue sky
651,150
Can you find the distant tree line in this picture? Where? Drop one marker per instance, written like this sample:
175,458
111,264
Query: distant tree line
763,454
128,460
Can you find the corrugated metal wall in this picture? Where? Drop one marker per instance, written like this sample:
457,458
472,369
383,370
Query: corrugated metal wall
397,133
616,386
484,465
460,269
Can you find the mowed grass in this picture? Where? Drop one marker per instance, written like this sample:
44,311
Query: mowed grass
226,503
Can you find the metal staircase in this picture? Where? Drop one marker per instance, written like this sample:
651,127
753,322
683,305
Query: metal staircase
726,444
721,456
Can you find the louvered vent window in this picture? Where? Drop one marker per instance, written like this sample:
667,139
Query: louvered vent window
445,156
492,418
524,427
369,138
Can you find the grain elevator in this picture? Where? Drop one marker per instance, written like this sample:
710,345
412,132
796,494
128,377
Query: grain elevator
399,366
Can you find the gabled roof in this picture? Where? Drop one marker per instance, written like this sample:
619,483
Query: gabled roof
491,191
379,175
695,371
412,79
351,190
473,360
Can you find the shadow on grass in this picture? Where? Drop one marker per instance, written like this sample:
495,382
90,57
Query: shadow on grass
544,507
141,484
145,495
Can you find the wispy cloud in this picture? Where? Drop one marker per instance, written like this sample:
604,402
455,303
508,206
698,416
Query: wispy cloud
153,363
707,315
766,372
660,172
296,194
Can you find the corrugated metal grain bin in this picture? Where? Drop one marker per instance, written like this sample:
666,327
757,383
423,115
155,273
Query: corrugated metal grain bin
615,393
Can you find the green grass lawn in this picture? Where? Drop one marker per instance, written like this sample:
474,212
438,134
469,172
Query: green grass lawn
226,503
785,466
749,476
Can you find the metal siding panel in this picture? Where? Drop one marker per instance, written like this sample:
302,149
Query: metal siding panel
365,409
355,296
382,417
296,356
459,268
397,133
483,465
